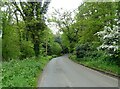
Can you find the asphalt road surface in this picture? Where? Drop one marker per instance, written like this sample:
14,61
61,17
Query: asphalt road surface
62,72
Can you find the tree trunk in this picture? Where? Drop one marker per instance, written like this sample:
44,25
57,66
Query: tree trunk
36,48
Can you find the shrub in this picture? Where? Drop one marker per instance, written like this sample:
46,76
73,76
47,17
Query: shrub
53,56
82,49
10,43
110,38
55,48
26,49
73,57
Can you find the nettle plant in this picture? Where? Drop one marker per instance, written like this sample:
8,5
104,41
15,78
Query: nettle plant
111,40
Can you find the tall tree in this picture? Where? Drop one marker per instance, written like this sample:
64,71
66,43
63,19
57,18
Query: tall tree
66,24
10,43
93,16
33,16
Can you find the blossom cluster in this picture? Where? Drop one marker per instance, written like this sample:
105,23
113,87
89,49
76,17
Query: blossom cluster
110,38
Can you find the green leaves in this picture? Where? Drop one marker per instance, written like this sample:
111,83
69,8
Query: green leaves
26,49
33,16
55,48
10,43
17,73
93,16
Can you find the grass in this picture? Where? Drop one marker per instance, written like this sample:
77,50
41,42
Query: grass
98,64
103,66
23,73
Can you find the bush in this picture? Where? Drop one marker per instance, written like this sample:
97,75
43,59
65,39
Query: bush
82,49
72,56
110,40
26,49
53,56
10,43
55,48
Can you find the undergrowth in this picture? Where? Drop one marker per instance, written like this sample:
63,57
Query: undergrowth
98,63
23,73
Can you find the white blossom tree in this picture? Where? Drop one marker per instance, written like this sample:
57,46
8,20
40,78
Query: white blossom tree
111,40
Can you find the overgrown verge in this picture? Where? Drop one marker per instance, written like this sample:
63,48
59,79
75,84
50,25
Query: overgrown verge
99,64
23,73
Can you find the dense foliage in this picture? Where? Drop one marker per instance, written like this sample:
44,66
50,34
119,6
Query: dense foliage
17,73
101,20
25,33
110,38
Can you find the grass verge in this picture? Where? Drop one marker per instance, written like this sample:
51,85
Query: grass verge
23,73
99,65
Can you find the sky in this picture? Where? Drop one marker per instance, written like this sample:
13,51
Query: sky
65,4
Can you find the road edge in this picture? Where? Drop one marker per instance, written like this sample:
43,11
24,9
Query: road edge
99,70
40,75
104,72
